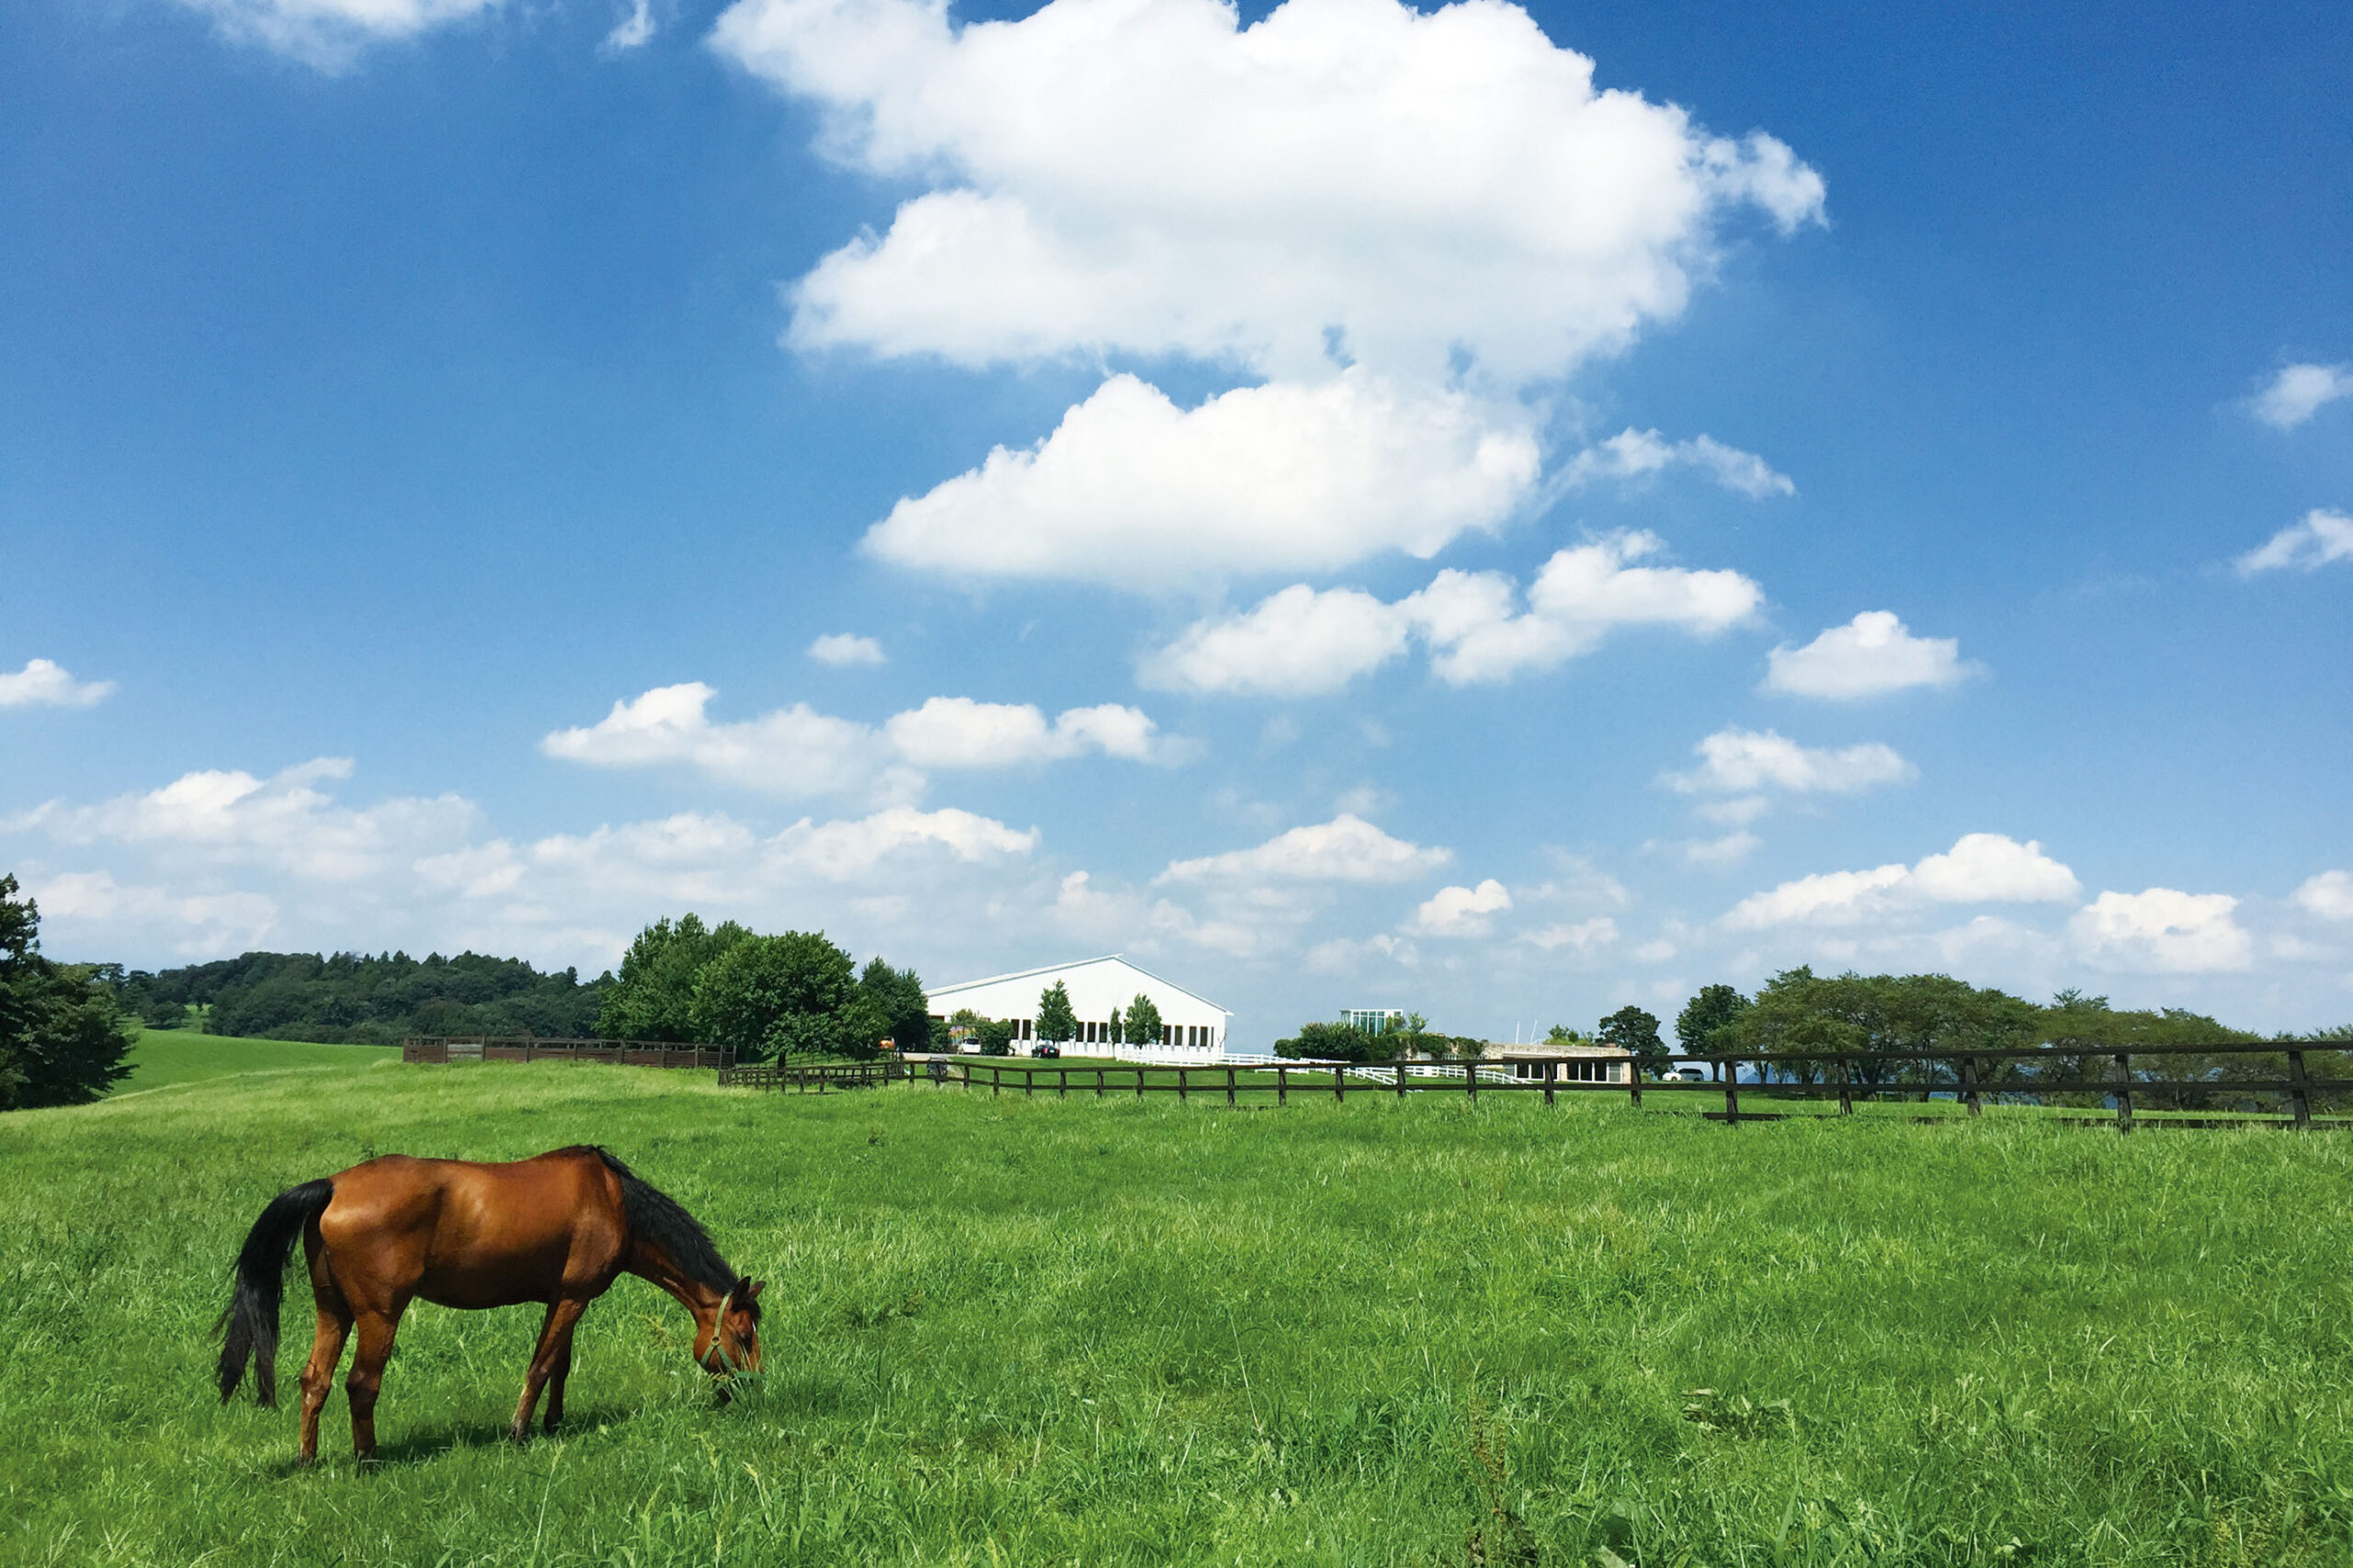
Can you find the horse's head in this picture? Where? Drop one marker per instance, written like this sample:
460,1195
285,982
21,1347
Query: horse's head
730,1341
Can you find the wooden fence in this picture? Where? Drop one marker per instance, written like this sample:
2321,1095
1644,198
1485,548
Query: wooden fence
784,1076
529,1048
2271,1084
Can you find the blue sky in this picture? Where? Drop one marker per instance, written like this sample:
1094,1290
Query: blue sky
1330,501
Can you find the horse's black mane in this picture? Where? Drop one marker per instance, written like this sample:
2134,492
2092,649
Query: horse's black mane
655,1216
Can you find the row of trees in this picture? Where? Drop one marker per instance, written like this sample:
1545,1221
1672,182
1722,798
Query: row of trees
1347,1043
63,1036
369,999
1798,1013
795,993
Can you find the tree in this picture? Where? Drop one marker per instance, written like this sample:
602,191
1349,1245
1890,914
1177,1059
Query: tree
1342,1042
62,1035
1142,1025
995,1036
1056,1022
1706,1023
786,995
1561,1034
1116,1032
1630,1028
654,998
899,996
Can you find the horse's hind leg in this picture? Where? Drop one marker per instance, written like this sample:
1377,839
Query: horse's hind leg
318,1372
555,1345
367,1379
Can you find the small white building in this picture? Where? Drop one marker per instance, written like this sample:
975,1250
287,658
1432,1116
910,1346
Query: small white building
1097,987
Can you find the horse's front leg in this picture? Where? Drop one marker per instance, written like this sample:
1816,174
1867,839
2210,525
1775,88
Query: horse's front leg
318,1372
555,1335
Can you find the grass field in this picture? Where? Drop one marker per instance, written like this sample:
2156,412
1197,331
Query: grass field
1069,1331
166,1057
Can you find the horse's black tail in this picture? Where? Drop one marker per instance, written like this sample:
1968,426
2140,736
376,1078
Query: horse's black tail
252,1316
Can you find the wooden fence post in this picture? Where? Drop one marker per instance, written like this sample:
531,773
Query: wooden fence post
1969,1076
2124,1092
2300,1097
1028,1082
1846,1089
1550,1069
1228,1085
1470,1081
1099,1083
1732,1091
1339,1080
1282,1085
1401,1077
1635,1081
1062,1083
1182,1074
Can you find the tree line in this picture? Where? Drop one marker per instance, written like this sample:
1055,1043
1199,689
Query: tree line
361,998
1805,1018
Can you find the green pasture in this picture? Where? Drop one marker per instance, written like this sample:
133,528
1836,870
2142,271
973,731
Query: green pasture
166,1057
1020,1331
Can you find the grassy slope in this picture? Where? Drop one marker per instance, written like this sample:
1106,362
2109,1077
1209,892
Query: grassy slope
164,1057
1033,1332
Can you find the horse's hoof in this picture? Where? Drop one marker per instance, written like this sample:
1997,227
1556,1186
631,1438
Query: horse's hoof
305,1461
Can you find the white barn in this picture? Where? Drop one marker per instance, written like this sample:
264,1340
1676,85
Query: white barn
1099,987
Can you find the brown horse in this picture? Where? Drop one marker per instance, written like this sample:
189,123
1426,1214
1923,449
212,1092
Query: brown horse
559,1228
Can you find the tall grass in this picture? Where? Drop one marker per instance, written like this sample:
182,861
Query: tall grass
1031,1332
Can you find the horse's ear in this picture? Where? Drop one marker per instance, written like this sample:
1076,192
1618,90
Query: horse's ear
752,1290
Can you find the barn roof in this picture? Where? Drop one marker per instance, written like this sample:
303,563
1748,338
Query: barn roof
1120,958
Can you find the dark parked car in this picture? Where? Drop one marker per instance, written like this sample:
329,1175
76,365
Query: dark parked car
1046,1048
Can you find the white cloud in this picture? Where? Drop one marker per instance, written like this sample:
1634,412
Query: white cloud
329,34
193,923
285,823
841,648
1461,912
1730,850
2322,538
797,751
1635,454
43,683
1981,867
794,751
632,30
1734,761
1868,656
2328,895
1148,175
2162,930
1296,642
1301,641
956,732
1346,849
1580,936
2299,391
1366,208
1133,491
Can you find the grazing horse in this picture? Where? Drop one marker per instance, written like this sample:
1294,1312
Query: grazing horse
558,1229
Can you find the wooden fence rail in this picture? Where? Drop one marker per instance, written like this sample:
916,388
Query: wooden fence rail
2232,1079
530,1048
